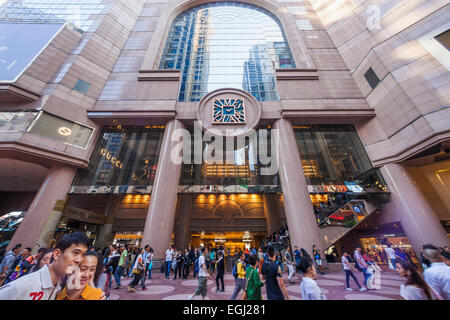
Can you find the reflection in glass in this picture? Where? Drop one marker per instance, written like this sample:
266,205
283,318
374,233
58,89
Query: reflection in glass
226,45
16,121
123,156
331,154
241,168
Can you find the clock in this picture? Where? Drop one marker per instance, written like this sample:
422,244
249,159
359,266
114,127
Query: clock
228,111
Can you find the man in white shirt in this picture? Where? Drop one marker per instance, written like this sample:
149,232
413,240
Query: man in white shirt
44,284
391,256
202,276
437,276
169,257
309,288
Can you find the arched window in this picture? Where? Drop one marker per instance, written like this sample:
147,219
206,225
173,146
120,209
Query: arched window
227,45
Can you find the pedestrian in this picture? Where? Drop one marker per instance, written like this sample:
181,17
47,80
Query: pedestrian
254,283
289,263
220,272
138,270
390,253
179,260
317,259
147,256
45,283
195,257
309,288
271,271
44,259
145,253
361,264
8,260
120,266
168,261
415,287
437,276
348,271
240,279
297,256
213,260
186,264
202,276
87,290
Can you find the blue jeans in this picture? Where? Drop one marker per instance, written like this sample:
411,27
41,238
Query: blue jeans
366,275
169,264
118,274
348,274
394,263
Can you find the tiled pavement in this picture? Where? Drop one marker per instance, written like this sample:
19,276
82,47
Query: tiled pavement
332,284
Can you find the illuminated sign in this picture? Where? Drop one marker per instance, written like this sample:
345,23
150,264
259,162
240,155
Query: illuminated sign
112,159
64,131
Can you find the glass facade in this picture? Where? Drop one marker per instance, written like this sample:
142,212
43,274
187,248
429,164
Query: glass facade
125,155
227,45
241,168
81,13
331,154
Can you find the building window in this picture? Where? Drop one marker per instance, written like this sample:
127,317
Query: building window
227,45
444,39
82,86
372,78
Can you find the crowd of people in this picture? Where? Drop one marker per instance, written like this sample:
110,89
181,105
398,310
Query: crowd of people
74,271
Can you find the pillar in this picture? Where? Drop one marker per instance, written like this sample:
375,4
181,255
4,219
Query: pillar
105,236
44,213
271,214
183,222
418,220
303,228
161,211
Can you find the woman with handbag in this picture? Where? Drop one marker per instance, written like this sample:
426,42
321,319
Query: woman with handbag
254,284
138,268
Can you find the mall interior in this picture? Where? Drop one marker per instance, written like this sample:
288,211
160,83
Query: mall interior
352,96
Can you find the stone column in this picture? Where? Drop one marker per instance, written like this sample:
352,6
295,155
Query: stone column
161,211
271,214
105,236
303,228
418,220
45,211
183,221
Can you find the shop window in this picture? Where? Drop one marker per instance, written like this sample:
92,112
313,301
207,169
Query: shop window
372,78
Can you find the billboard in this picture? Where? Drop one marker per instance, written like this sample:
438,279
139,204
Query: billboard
20,44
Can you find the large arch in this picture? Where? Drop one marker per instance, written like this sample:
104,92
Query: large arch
298,47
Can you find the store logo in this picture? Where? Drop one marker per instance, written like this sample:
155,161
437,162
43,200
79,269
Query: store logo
64,131
228,111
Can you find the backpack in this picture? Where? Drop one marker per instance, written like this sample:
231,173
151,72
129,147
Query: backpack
196,267
234,271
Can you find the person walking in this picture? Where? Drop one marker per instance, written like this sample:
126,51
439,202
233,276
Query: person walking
348,271
309,288
254,283
317,259
145,263
120,266
297,256
437,276
179,260
213,260
220,272
289,263
186,263
240,279
390,253
202,276
415,287
275,287
361,264
168,261
137,270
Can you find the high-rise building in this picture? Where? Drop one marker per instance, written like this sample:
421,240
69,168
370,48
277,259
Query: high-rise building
220,122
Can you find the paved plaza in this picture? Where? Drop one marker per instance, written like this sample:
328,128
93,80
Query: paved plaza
332,284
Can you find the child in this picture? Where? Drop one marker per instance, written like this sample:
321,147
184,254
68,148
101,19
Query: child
309,288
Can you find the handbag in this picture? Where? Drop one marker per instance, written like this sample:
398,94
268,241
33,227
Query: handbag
135,271
244,295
